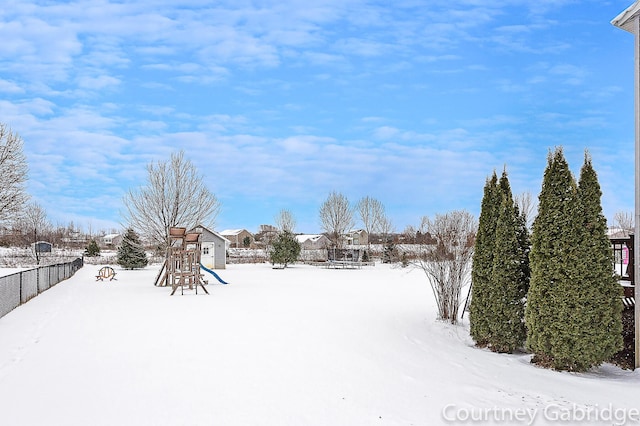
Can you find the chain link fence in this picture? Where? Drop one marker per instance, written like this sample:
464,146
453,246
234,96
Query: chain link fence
19,288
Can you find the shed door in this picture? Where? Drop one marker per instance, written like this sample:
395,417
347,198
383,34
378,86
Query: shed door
208,255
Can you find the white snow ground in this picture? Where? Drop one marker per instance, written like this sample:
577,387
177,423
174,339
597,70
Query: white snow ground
9,271
301,346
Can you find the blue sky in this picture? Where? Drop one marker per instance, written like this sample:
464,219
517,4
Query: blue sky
278,103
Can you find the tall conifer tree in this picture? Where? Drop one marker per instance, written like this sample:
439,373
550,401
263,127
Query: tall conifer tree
508,289
598,310
483,263
553,252
573,307
524,249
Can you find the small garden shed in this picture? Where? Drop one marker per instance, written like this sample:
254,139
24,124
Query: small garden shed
214,248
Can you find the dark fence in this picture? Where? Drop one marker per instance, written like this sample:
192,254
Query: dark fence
19,288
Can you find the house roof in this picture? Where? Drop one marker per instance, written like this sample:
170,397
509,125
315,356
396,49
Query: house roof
626,19
232,231
309,237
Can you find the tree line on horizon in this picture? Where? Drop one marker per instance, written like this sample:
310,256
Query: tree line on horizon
175,195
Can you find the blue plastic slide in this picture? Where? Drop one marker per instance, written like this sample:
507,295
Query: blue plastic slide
214,274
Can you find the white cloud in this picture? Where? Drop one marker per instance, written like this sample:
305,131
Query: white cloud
365,48
7,86
570,74
325,59
296,99
97,83
386,132
305,145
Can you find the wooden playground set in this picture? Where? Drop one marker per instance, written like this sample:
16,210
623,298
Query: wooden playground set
182,267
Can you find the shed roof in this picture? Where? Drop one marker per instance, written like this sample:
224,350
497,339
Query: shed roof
205,229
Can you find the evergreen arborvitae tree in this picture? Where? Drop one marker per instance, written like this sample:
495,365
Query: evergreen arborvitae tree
131,253
92,249
598,304
524,249
553,254
482,266
573,306
505,315
285,249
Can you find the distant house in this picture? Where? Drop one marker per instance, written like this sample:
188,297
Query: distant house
111,240
75,238
313,242
357,237
237,237
213,253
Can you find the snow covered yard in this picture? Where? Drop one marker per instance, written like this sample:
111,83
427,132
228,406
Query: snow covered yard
8,271
301,346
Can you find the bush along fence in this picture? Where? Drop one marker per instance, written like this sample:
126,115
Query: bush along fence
19,288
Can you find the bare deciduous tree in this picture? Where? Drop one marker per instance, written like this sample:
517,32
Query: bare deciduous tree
175,195
623,220
285,221
33,223
13,174
447,263
386,229
409,234
526,206
336,217
372,213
